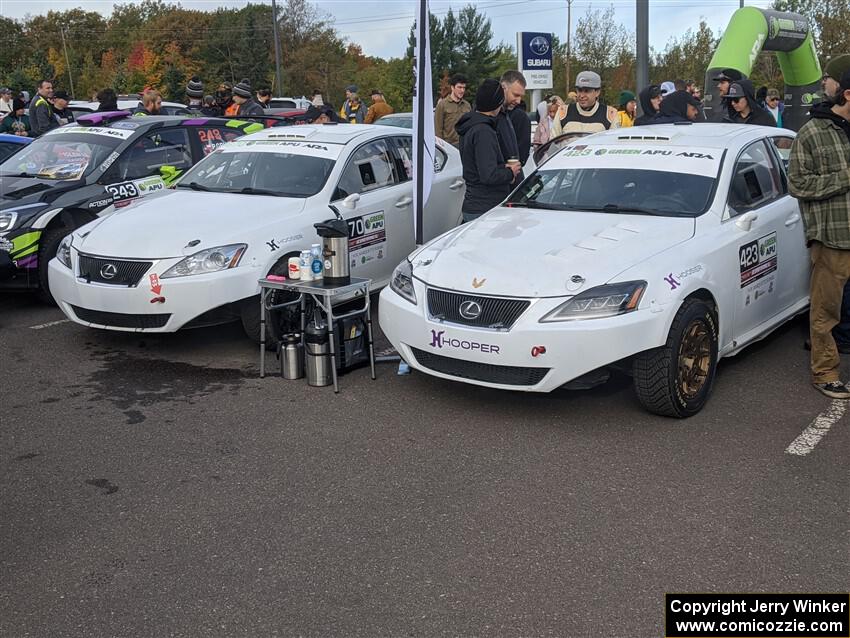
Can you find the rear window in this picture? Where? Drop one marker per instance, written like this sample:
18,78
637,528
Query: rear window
211,138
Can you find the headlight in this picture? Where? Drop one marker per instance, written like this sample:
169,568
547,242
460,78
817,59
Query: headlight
209,260
63,253
402,281
7,220
603,301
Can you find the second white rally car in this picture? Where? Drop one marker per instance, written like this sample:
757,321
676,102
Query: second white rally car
193,256
656,249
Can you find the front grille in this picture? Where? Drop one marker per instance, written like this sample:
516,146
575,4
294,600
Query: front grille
496,312
505,375
120,320
126,273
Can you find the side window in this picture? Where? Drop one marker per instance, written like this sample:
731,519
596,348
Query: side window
213,137
166,147
404,150
370,167
782,146
755,181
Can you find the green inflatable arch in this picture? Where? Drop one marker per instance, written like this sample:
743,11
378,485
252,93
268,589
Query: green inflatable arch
751,31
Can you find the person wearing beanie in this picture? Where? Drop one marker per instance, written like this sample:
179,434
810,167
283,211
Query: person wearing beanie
353,110
379,108
487,175
650,103
628,109
819,177
195,92
835,68
17,122
243,98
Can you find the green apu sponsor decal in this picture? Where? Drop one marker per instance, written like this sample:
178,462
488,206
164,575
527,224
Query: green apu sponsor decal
25,244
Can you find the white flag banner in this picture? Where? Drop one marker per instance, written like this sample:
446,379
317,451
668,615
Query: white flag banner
423,122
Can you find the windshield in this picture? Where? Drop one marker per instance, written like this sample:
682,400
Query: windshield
260,173
615,190
60,156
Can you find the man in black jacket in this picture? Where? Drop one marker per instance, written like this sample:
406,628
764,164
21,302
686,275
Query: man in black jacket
742,97
487,175
512,123
678,106
650,102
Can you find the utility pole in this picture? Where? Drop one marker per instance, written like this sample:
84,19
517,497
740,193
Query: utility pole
279,86
642,54
67,60
569,48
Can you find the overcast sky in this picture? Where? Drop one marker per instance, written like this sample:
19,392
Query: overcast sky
381,26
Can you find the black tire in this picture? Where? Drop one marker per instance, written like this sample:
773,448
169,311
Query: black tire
47,246
250,311
668,381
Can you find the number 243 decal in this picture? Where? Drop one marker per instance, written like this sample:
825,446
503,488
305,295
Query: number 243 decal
126,190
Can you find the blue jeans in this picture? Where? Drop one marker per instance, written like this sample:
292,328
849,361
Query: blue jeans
841,332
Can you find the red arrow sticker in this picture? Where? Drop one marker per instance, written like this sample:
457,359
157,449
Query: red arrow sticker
156,288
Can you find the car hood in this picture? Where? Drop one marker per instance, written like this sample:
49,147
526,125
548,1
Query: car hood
522,253
163,226
20,191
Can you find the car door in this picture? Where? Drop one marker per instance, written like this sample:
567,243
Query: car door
442,211
792,242
376,204
757,211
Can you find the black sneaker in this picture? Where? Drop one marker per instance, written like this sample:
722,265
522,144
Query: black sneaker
833,389
842,347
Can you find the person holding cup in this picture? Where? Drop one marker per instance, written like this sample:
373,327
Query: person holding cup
488,175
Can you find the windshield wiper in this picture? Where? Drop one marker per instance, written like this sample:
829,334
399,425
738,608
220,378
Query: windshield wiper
616,208
248,190
195,187
533,204
15,175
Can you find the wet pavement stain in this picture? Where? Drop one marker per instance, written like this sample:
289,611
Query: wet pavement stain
28,456
133,383
103,484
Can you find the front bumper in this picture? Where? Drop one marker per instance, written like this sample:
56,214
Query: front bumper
138,309
514,360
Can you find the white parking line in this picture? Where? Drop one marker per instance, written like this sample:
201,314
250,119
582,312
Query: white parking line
817,429
42,326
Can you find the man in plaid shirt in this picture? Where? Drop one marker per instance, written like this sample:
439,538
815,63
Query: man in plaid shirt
819,176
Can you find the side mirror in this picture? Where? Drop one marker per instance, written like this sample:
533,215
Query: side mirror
351,200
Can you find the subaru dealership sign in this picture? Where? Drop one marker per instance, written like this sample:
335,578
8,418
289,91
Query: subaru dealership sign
535,58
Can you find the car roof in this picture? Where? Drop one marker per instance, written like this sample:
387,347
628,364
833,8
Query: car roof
114,119
324,133
701,134
123,103
15,139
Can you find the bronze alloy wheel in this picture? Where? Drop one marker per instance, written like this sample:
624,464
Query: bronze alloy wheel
694,358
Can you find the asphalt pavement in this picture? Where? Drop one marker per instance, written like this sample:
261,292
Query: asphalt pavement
155,486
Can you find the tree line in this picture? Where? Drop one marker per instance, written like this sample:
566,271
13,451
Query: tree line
151,43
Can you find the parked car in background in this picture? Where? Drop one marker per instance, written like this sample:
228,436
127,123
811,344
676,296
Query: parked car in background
239,215
289,103
656,250
72,174
79,107
401,120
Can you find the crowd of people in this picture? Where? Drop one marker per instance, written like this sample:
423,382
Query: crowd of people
48,109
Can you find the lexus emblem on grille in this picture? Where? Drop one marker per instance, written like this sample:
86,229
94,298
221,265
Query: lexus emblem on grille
470,310
108,271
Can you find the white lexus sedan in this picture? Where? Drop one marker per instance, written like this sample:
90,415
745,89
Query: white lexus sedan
655,249
193,256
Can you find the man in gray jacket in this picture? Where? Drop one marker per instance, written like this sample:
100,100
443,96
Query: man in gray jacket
41,110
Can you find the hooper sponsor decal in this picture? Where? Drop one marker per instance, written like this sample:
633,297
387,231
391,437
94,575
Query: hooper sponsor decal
440,340
758,259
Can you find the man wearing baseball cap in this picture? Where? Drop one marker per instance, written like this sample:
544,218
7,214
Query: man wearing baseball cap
744,108
61,112
819,177
588,114
725,78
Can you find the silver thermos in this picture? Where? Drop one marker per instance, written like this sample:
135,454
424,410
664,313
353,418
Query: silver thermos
318,354
292,365
334,234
